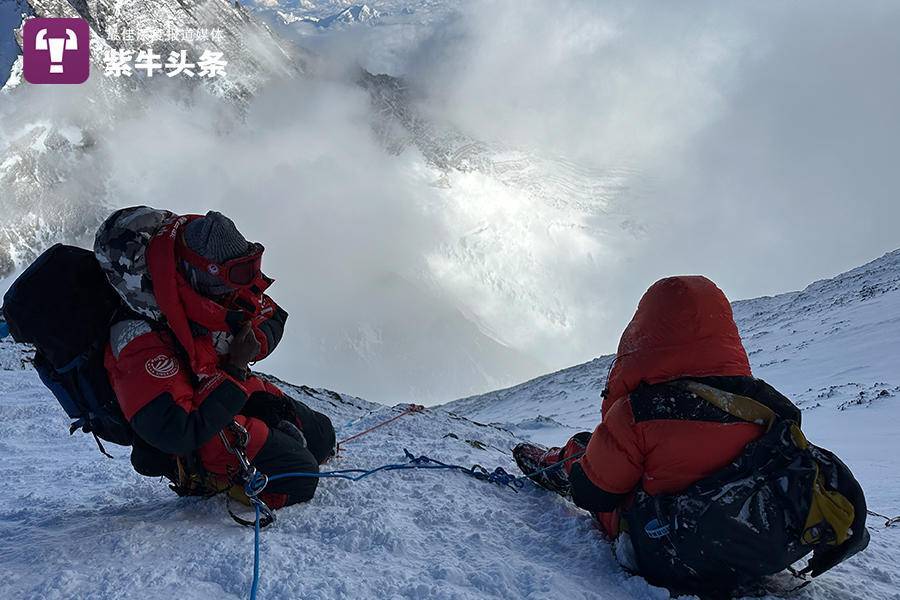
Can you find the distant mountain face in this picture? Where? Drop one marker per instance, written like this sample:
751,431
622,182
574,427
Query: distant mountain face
352,15
53,187
832,346
347,17
325,14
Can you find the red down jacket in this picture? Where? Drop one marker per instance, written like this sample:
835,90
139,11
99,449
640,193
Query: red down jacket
683,328
169,377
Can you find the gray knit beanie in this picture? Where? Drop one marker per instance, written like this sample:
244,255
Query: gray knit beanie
215,238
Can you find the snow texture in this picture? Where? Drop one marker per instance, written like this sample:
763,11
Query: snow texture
78,525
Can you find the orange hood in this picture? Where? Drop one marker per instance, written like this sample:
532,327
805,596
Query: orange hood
683,327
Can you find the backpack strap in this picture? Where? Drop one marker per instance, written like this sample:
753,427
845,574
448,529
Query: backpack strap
741,407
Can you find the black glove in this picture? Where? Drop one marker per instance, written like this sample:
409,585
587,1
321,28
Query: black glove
588,496
293,431
270,409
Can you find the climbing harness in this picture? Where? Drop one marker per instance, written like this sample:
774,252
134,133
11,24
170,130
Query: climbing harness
412,408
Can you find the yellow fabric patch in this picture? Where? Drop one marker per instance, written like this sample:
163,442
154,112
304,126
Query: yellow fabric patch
829,511
798,438
742,407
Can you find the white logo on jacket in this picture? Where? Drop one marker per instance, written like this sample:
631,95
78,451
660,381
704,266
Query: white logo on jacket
162,366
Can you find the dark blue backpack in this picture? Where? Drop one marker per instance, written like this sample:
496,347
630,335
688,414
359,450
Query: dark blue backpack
63,305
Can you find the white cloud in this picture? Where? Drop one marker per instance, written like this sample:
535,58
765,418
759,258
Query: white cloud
755,145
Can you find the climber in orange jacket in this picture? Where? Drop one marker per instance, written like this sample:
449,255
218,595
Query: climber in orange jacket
653,435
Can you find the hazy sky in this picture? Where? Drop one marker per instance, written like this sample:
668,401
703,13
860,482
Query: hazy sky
757,144
768,135
763,137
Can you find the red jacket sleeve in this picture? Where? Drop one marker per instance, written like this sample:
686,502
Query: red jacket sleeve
162,403
614,459
268,327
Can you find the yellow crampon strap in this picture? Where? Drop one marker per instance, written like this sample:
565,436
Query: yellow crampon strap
194,483
237,493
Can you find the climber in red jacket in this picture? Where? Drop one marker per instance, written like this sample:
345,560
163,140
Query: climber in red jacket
178,360
654,435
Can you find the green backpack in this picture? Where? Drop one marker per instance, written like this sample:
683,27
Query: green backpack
780,500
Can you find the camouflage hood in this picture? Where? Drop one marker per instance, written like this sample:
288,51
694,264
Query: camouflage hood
121,248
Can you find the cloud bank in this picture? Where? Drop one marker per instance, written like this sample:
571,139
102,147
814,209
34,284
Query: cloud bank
755,145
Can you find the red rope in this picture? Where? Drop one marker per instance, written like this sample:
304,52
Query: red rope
413,408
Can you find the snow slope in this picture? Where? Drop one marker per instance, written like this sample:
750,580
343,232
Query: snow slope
831,346
78,525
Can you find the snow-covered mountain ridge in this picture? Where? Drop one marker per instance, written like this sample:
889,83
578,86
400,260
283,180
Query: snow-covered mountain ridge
54,181
832,345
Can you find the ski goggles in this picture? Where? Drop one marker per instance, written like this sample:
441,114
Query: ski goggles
243,272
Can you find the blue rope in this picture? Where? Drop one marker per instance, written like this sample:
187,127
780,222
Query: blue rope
498,476
255,585
257,484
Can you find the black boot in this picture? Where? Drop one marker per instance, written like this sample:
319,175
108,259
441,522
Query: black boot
542,466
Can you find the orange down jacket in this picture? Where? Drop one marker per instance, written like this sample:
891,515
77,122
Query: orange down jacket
683,328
